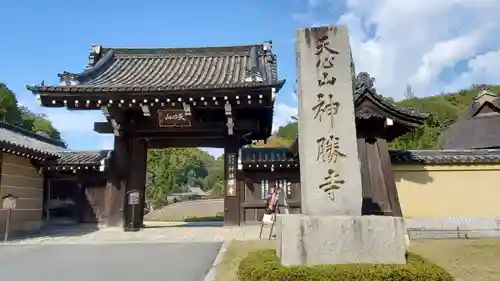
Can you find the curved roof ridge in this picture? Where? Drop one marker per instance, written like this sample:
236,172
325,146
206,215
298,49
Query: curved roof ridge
90,71
206,50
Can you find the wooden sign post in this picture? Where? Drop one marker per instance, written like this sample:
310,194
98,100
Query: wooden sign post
134,199
9,203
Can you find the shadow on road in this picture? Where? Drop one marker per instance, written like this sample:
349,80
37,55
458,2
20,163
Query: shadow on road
191,224
49,230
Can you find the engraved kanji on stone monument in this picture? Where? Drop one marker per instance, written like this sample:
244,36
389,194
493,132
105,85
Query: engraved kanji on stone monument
325,56
328,107
331,182
329,149
330,228
327,133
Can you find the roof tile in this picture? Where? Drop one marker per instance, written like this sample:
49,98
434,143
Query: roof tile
18,137
161,69
479,156
88,158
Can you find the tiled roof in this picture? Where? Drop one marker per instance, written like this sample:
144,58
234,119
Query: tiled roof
479,156
265,154
164,69
84,158
18,137
12,137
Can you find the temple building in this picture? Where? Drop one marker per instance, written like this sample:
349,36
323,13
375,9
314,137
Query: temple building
47,181
478,128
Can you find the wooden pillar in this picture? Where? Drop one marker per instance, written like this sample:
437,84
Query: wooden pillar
380,196
390,181
117,182
136,181
231,193
1,172
144,169
241,189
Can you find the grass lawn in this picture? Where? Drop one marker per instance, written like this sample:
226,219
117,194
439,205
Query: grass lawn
468,260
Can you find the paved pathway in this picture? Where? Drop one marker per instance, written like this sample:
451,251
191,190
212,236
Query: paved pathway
124,262
156,233
163,251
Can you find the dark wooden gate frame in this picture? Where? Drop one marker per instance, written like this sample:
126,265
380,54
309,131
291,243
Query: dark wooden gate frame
228,114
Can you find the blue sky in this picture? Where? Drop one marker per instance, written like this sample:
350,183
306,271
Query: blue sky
396,43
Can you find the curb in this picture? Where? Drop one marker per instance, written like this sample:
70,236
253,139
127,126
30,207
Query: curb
211,273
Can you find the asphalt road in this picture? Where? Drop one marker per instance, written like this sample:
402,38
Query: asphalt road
105,262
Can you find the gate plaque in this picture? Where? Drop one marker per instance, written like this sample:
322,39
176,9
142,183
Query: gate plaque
173,118
231,178
134,197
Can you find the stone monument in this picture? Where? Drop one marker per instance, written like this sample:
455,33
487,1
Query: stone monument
330,229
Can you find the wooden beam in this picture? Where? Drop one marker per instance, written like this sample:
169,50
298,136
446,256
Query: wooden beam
144,128
150,125
103,128
186,142
85,100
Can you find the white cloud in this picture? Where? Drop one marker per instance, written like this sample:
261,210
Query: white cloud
417,41
283,114
483,68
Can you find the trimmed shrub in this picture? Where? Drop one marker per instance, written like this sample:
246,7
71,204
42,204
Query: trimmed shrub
201,219
265,266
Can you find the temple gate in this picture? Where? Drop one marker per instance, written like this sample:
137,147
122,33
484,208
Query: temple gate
171,97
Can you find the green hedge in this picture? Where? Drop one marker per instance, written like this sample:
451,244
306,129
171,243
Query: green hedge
202,219
265,266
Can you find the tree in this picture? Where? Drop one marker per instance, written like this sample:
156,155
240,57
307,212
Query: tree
409,92
38,123
12,113
175,169
289,131
9,111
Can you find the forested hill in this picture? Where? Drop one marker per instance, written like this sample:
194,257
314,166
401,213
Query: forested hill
444,110
20,116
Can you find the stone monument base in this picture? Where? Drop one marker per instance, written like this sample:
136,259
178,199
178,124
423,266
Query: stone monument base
312,240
